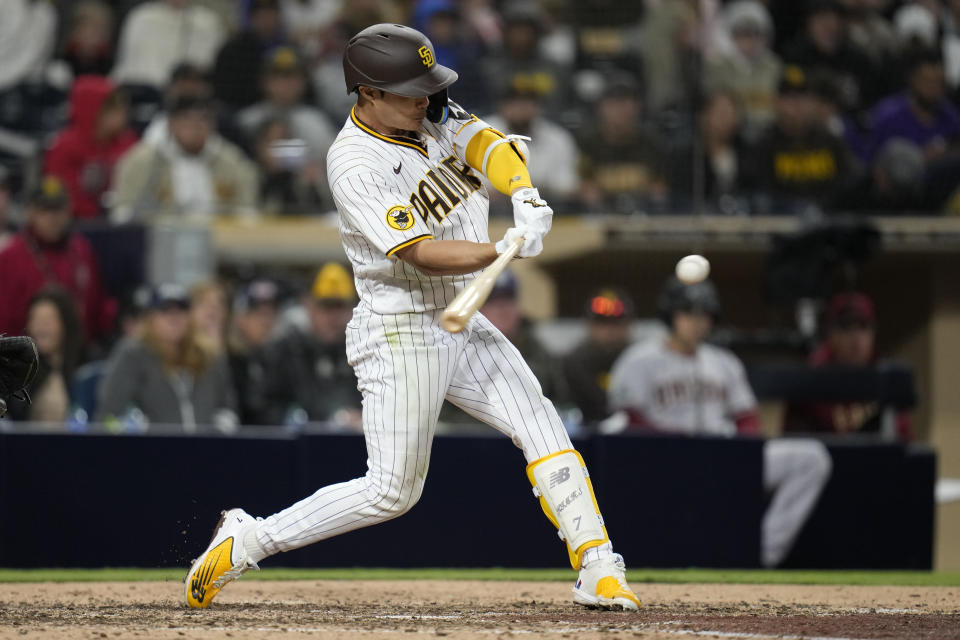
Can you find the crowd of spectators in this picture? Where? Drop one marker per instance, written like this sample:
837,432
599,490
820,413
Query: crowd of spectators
660,106
265,352
258,353
125,111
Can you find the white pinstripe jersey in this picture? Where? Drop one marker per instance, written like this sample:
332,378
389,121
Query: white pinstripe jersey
390,193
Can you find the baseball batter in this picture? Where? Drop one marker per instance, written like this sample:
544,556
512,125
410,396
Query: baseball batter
682,385
405,175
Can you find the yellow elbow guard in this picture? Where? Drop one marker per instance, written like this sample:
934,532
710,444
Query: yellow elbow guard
493,154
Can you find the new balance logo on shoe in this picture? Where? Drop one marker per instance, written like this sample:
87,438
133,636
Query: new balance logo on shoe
559,477
198,586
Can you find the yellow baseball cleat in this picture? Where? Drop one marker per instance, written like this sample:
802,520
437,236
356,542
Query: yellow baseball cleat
603,583
224,560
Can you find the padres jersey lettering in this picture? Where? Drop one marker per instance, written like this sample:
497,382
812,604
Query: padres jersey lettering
392,193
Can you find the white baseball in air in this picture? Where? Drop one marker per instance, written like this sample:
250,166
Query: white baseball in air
693,269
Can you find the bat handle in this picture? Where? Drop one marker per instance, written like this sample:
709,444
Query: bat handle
498,265
456,316
516,246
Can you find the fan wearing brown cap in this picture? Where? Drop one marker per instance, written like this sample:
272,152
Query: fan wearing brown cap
284,83
47,252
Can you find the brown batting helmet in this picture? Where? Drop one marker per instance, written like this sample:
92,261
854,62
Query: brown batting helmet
396,59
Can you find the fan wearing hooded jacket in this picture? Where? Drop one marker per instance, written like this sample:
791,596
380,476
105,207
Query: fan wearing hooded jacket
83,155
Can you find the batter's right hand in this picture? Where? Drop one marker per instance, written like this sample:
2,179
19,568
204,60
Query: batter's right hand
532,241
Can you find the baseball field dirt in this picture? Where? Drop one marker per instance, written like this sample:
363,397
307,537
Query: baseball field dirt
460,609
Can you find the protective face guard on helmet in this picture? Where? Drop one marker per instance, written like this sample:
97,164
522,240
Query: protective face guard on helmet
437,110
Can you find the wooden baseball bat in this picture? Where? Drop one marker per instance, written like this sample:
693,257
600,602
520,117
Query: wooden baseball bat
458,313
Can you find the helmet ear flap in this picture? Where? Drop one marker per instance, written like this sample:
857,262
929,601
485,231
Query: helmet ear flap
669,301
437,110
665,311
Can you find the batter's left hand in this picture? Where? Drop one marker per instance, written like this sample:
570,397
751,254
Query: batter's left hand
531,211
532,241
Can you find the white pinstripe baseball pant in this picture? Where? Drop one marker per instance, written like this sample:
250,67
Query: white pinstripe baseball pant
406,365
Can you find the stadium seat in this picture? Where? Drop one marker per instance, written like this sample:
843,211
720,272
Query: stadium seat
83,387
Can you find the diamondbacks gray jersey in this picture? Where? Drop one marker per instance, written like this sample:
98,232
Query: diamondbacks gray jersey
703,393
393,192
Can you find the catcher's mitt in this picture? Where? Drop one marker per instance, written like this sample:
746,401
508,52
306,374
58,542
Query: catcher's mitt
19,362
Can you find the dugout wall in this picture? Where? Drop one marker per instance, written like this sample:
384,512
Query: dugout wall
105,500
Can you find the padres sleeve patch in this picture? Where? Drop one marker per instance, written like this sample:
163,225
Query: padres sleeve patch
400,217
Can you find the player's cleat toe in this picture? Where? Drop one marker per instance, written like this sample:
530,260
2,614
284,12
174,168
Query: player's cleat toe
224,560
603,584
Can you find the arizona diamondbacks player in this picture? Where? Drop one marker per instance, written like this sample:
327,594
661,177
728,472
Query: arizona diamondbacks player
413,220
681,385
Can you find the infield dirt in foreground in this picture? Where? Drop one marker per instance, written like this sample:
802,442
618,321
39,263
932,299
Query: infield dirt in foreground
474,609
